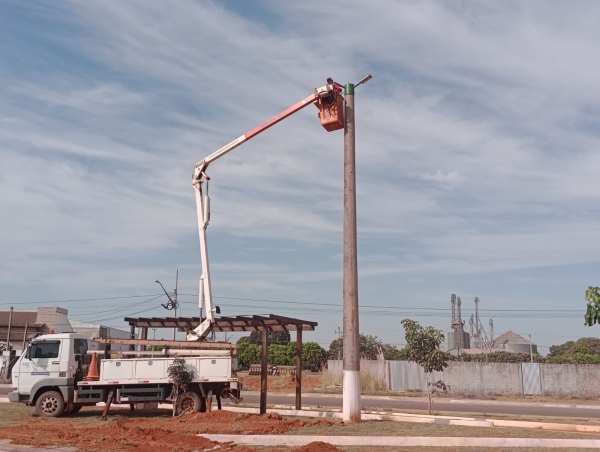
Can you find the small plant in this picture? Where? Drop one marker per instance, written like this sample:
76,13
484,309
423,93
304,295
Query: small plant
182,376
423,348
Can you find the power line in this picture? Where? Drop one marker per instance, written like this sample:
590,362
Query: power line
386,307
119,316
366,310
410,308
126,307
77,300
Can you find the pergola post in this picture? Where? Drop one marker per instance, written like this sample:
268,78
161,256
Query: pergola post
132,336
263,374
144,337
299,368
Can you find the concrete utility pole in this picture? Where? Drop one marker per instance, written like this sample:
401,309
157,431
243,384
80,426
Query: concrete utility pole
530,349
351,387
8,347
175,304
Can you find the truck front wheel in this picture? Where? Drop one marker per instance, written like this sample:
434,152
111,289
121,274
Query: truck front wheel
50,404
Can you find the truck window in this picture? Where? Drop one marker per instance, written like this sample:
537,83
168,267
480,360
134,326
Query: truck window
80,347
45,350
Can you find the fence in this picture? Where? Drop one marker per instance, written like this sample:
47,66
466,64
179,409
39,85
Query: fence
378,369
473,378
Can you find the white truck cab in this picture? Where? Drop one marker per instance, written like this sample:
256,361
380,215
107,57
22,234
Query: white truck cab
52,363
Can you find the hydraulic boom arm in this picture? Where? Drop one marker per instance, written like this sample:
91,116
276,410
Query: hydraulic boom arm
326,93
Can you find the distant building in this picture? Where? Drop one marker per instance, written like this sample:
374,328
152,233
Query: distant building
94,331
47,319
512,342
41,321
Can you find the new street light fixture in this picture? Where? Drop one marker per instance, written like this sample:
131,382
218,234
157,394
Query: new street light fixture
172,304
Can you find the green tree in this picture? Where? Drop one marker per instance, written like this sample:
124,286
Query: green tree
583,351
282,355
500,357
313,356
370,347
423,347
248,354
155,348
182,376
592,315
273,337
243,340
336,349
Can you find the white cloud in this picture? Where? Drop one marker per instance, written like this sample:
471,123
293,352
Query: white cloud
477,142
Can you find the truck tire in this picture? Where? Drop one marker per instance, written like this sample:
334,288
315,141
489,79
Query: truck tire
50,404
189,401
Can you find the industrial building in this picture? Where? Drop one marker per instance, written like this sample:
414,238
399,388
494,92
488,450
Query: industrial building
512,342
477,340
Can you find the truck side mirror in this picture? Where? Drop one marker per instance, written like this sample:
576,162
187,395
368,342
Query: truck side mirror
28,352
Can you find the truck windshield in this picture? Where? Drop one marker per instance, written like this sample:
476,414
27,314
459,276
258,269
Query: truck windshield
44,350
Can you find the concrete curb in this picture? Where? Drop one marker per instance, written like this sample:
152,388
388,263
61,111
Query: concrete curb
429,419
545,405
403,441
373,417
424,399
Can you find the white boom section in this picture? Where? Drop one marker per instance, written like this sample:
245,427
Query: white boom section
203,205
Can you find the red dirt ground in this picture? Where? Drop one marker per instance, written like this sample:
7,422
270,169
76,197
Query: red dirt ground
317,446
150,434
281,383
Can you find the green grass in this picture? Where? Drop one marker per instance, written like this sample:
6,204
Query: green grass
15,413
392,428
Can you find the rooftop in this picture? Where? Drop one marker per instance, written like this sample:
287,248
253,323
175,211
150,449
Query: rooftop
238,323
19,318
511,338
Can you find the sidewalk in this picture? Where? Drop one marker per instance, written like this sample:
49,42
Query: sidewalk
403,441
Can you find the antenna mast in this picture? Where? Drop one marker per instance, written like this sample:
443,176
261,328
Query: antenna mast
453,303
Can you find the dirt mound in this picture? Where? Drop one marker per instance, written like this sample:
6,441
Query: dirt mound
228,422
282,383
317,446
150,434
115,436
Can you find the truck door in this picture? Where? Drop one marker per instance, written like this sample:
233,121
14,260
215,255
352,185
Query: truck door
41,362
82,359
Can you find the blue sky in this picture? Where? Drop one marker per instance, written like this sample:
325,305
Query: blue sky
477,158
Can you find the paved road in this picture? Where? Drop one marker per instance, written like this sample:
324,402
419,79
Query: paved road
472,407
402,404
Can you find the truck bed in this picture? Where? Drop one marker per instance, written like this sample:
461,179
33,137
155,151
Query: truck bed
208,368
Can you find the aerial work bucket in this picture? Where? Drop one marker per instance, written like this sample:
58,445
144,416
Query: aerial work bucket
331,111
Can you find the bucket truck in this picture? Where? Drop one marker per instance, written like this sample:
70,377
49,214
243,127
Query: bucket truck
330,103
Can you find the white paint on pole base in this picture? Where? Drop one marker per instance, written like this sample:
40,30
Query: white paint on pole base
351,395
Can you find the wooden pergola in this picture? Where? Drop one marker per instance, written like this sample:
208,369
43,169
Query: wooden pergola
240,323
